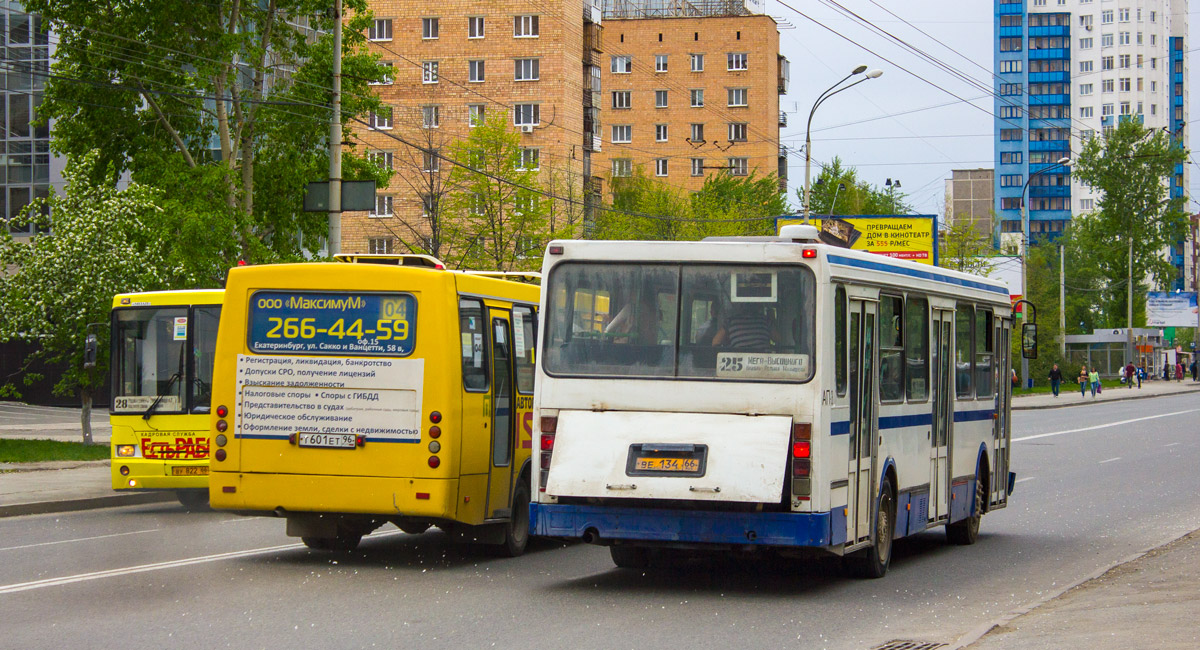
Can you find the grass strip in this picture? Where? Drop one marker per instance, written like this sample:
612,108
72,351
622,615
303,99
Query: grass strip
33,451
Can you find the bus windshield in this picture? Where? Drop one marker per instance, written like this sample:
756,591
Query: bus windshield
725,322
150,360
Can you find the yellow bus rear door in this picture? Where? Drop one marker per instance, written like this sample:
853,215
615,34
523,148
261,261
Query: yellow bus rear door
500,468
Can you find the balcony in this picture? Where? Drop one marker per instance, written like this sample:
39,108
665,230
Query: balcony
785,74
782,120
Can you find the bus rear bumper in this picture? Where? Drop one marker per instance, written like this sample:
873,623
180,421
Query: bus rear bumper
687,526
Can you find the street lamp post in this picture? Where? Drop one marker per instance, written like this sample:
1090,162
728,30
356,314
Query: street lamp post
1062,162
829,92
892,187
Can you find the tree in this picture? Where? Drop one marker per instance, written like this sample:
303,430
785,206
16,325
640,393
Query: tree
853,196
962,248
1132,168
430,180
104,241
499,213
222,104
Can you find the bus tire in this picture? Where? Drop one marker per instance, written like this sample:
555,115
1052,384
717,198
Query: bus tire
516,531
193,500
630,557
873,562
966,531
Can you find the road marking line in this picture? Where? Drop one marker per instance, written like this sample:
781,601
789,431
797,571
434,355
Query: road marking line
1027,478
80,539
239,519
1109,460
173,564
1104,426
1173,444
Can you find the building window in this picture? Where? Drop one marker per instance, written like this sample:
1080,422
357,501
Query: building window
1010,89
1010,203
621,99
1123,61
1010,112
380,30
1011,157
1106,17
429,28
475,115
622,167
1085,111
1106,110
1085,89
1086,204
430,161
527,114
1123,15
738,60
1106,63
1010,135
525,26
383,206
383,119
660,132
1010,44
1010,180
1085,43
697,166
737,131
737,96
660,166
1085,66
622,64
475,27
1011,66
1124,85
660,99
697,133
1106,40
622,133
382,159
697,97
429,116
530,159
386,78
697,62
475,71
527,70
1125,108
429,72
380,245
1106,85
739,166
1087,134
660,63
1123,38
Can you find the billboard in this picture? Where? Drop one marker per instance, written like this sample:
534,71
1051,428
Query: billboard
1169,309
910,237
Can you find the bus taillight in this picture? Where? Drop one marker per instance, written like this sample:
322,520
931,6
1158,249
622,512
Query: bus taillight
547,444
801,459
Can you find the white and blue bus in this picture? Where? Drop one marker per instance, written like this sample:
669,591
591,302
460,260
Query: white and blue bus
768,392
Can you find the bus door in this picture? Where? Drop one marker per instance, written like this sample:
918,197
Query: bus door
500,465
1003,426
943,414
863,422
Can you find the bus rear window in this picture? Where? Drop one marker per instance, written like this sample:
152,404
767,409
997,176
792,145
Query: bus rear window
348,324
724,322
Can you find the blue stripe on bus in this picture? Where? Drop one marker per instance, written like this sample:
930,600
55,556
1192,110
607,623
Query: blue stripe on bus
914,273
285,438
974,416
842,427
901,421
839,428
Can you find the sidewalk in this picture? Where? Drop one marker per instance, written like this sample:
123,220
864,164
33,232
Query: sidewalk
64,486
1149,602
1111,392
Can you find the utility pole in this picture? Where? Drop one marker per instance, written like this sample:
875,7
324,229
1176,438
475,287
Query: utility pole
1062,303
335,138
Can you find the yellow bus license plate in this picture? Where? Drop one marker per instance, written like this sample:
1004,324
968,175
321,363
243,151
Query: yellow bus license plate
667,464
189,471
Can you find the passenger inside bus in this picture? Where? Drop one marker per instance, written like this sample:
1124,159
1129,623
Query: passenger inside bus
637,321
749,327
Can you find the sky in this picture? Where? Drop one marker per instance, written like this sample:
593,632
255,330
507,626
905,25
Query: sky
909,125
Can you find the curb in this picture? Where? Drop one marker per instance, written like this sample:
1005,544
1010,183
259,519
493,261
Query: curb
1185,391
979,632
90,503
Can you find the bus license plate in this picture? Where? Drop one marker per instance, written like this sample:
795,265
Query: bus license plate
327,440
667,464
189,471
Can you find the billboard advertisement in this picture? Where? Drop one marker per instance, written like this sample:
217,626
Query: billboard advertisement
910,237
1170,309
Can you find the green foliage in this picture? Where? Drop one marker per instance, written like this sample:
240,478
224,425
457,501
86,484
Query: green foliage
221,105
33,451
1131,166
104,241
497,224
962,248
857,197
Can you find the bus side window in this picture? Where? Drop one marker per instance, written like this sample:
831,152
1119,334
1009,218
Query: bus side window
839,338
916,348
984,350
524,344
891,348
964,317
472,327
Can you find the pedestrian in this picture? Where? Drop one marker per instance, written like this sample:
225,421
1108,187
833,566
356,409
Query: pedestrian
1193,369
1055,379
1130,371
1141,374
1094,380
1179,371
1083,381
1166,370
1013,378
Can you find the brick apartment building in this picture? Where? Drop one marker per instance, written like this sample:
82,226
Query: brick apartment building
458,61
686,96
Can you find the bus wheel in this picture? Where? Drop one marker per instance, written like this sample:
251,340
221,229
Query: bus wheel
873,562
966,532
516,531
630,557
193,500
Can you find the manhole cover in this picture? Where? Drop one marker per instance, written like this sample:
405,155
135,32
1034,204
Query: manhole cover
902,644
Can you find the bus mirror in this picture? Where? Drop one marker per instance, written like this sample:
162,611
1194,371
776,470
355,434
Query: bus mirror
1029,341
90,345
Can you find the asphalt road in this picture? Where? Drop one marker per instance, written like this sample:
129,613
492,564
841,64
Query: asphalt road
1096,484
